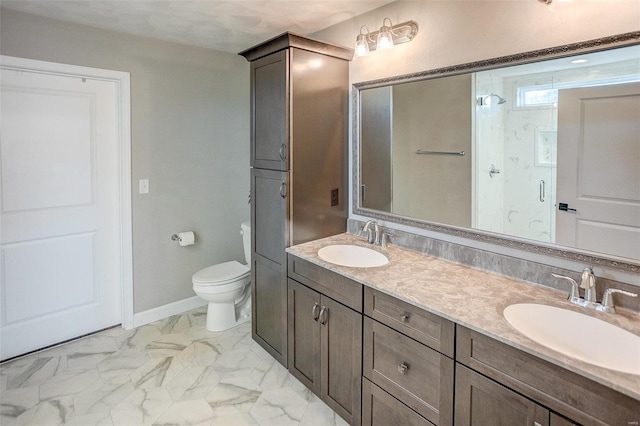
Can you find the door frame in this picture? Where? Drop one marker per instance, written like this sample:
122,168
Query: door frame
123,83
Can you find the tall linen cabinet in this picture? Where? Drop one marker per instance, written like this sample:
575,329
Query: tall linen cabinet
299,122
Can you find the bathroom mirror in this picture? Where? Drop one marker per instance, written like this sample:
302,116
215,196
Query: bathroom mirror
539,150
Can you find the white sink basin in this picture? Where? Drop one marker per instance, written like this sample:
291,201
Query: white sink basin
354,256
577,335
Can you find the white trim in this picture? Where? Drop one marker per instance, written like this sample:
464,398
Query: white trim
165,311
122,80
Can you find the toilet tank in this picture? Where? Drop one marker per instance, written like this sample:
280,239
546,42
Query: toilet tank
245,230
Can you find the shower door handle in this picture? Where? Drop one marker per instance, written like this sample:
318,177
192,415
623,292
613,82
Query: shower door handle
542,191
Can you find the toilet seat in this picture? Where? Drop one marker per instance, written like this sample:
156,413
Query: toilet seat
221,274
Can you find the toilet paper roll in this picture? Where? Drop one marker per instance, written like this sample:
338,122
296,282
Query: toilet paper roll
186,238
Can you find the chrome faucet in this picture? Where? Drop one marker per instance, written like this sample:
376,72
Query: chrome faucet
588,283
373,235
376,236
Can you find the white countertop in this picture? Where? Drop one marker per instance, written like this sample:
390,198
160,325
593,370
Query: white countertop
473,298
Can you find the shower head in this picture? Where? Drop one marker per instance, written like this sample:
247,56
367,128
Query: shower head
488,101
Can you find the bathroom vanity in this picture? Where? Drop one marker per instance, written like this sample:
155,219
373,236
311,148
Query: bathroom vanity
436,348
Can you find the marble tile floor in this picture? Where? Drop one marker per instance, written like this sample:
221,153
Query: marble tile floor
171,372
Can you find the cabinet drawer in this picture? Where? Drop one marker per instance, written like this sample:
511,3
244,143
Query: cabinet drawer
423,326
563,391
417,375
337,287
381,409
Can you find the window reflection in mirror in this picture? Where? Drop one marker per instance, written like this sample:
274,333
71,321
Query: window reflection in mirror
539,141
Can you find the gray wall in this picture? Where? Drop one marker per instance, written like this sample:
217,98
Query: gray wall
190,137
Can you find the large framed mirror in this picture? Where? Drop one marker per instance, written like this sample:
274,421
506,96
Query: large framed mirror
539,151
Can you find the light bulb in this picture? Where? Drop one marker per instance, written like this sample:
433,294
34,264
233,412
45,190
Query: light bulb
362,47
385,40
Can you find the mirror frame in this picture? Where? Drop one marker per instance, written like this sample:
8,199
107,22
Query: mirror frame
583,256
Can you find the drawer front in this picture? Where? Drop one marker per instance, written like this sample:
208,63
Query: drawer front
423,326
381,409
412,372
337,287
564,392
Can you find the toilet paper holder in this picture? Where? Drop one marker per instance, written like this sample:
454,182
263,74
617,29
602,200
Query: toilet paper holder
186,238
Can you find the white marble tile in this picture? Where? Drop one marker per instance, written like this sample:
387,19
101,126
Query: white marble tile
270,374
242,419
234,395
68,384
102,419
53,411
13,403
103,395
90,353
185,413
201,353
138,338
123,362
279,407
34,372
174,324
156,372
236,338
260,352
236,363
168,345
142,407
319,414
193,383
200,332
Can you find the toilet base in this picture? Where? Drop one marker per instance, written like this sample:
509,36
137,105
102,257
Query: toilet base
223,316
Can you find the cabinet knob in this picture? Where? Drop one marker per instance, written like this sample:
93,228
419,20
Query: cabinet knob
283,152
283,189
403,368
315,311
405,317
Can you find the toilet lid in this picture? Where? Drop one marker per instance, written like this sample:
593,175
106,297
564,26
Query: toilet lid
221,273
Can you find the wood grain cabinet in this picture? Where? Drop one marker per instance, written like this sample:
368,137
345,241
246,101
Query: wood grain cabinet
325,339
402,360
513,381
299,92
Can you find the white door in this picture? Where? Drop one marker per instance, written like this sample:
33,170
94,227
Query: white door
60,209
599,169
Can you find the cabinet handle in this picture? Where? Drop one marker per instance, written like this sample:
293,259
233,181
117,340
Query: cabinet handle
536,424
403,368
314,312
405,317
324,315
283,152
283,189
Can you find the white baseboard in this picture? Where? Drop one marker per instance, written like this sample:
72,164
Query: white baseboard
167,310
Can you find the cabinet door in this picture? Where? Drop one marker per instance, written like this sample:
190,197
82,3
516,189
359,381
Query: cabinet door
270,111
480,401
304,335
341,359
381,409
268,260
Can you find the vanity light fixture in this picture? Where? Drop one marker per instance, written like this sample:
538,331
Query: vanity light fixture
387,37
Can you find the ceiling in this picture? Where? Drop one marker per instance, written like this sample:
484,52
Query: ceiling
226,25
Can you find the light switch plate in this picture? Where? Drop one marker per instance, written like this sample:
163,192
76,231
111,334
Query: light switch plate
143,186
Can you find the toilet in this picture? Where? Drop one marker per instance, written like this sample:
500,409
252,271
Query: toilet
226,287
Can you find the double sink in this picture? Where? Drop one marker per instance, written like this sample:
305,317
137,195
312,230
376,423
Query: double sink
574,334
